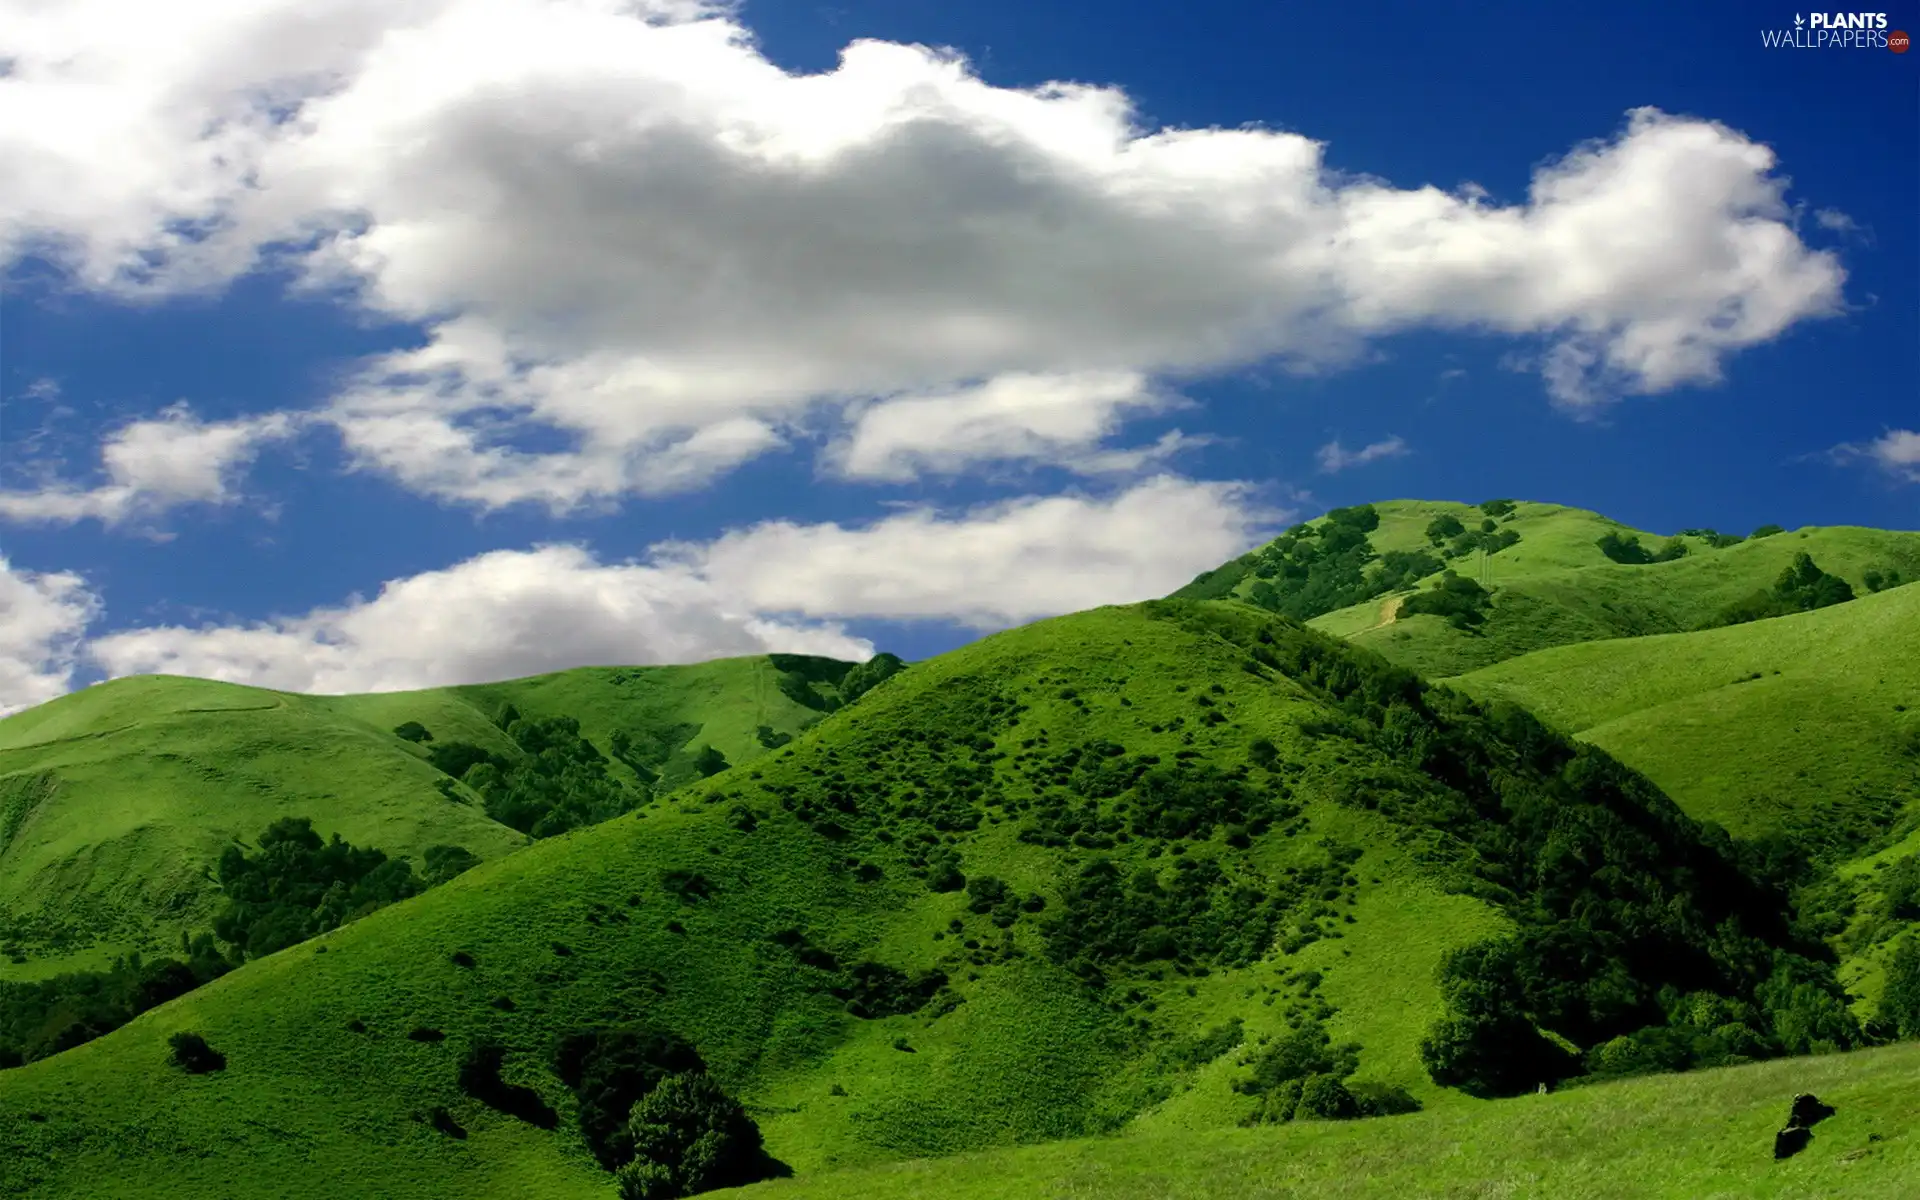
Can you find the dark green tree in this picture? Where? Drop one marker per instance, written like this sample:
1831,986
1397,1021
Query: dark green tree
689,1136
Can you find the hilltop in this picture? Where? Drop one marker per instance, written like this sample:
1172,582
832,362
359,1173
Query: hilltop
1546,572
116,800
1173,866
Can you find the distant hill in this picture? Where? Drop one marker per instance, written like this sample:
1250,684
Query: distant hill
1166,867
116,800
1551,585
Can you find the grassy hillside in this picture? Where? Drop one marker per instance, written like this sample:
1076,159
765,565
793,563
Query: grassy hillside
1670,1137
1550,581
1803,728
116,800
1535,607
1057,883
1775,725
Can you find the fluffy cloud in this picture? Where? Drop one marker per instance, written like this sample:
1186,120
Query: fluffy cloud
1334,457
622,224
151,466
1897,452
42,618
501,615
1014,418
772,587
999,565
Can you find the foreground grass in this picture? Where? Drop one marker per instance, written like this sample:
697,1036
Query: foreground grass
1685,1137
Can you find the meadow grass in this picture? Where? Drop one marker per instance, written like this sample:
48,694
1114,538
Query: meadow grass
1707,1135
116,800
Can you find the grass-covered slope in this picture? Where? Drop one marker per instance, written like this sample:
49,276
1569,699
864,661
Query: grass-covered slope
1053,884
1670,1137
1550,580
1773,725
1533,610
116,800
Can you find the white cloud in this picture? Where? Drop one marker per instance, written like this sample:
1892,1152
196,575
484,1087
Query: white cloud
998,565
1334,457
1013,418
153,465
42,618
501,615
1897,452
776,586
643,235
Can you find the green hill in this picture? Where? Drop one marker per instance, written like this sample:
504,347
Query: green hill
1162,868
116,800
1550,583
1777,725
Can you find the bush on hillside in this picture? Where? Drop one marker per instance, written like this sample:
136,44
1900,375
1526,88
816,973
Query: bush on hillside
609,1070
1443,527
1765,531
1628,550
1801,587
1497,508
1460,600
412,731
191,1054
1879,579
689,1136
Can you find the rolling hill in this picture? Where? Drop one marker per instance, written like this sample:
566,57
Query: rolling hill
1162,869
116,800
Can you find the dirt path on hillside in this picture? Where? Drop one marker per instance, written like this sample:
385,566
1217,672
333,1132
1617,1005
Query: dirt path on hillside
1389,613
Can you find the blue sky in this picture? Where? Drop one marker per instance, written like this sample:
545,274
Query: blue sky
431,342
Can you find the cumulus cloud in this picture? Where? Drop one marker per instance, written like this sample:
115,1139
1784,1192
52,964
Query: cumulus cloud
1335,458
42,618
1060,419
623,225
1897,452
153,465
776,586
997,565
500,615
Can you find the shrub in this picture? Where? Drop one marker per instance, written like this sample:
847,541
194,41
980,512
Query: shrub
192,1054
412,731
689,1136
609,1070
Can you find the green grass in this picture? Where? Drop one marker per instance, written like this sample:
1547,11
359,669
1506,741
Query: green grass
1555,588
1019,1080
1701,1136
116,800
1029,1055
1757,727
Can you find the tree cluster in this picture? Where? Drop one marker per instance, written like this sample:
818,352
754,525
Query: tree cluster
1801,587
1628,550
557,781
296,885
1460,600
